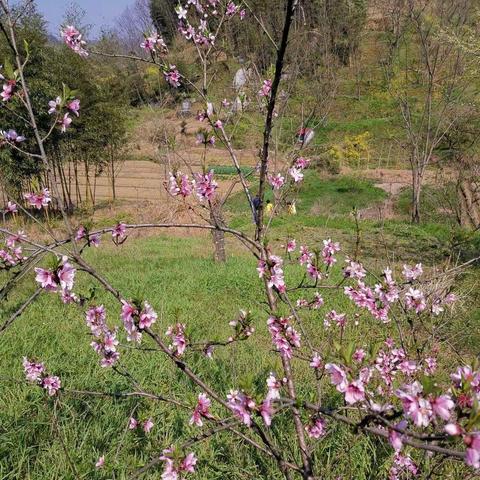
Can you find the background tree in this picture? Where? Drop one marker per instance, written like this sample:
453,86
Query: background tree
429,84
163,16
346,22
133,23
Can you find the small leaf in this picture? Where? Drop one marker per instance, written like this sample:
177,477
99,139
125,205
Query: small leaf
347,353
428,385
9,72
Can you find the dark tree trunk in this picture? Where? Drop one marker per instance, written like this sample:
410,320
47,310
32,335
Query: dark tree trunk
416,191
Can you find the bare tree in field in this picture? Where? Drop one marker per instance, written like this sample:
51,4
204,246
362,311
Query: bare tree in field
132,24
429,83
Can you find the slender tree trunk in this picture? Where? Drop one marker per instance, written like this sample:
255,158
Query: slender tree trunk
70,180
88,186
62,183
95,185
67,188
77,184
112,172
416,191
216,218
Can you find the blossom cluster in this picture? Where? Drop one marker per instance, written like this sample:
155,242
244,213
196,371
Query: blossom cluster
73,39
38,200
314,304
146,425
194,18
178,338
72,105
11,137
422,404
284,337
36,373
312,261
274,268
11,207
277,181
316,428
59,280
379,299
172,76
119,233
266,88
8,90
136,318
92,239
244,407
204,185
387,382
12,254
9,87
105,343
179,184
329,250
403,467
154,43
176,465
201,411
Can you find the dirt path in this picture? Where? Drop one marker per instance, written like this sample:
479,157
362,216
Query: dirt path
392,182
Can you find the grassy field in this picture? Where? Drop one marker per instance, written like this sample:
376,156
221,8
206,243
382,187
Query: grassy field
41,439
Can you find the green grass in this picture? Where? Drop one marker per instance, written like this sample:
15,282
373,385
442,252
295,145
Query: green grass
178,277
333,196
183,284
229,170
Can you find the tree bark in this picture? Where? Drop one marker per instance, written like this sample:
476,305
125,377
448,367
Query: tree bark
112,167
77,184
469,204
216,218
416,191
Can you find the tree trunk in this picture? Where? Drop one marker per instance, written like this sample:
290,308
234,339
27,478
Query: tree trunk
416,190
77,184
469,204
66,188
60,178
112,167
88,186
216,218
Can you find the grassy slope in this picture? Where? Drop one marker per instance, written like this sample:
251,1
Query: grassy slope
324,206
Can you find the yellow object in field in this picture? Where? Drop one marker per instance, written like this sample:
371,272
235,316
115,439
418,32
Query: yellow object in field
292,209
269,208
